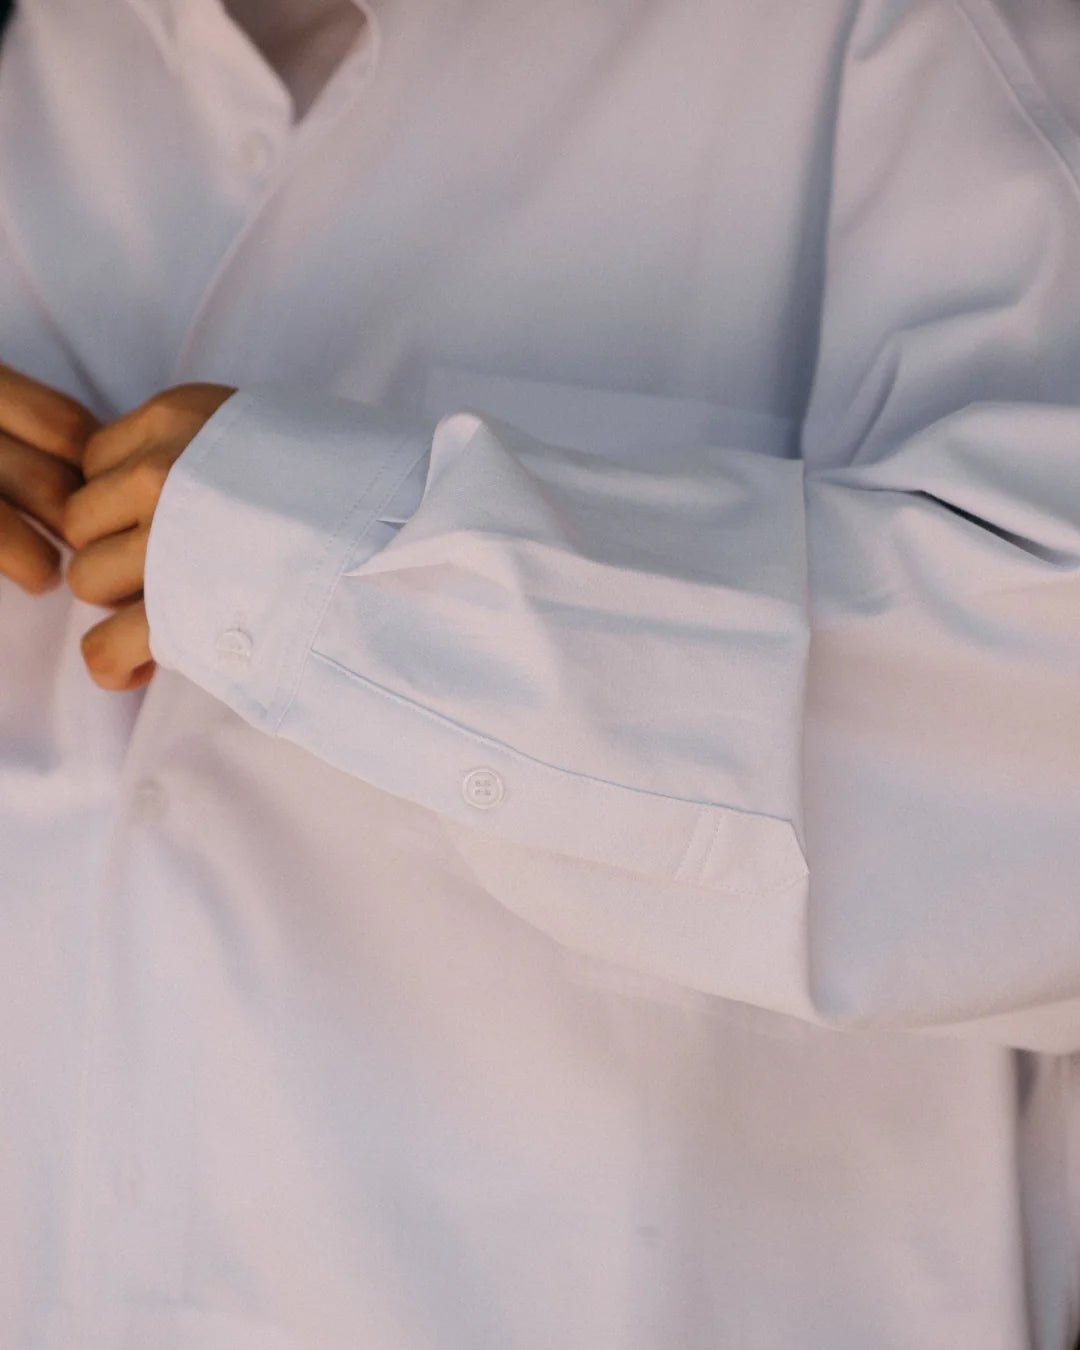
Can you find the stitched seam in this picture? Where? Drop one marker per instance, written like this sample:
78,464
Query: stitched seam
1025,89
541,766
369,493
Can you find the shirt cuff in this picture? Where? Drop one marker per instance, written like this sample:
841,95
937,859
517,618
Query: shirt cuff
272,500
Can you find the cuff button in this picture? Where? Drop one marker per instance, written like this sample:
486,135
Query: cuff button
483,788
234,648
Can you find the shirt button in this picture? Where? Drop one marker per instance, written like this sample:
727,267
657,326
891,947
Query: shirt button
483,788
256,153
148,802
234,648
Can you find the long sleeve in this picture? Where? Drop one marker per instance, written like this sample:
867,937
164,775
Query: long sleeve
592,673
942,749
800,734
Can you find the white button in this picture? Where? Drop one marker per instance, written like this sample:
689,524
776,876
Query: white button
483,788
234,647
127,1183
148,802
256,153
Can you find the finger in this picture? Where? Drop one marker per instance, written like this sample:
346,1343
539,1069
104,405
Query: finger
26,557
117,650
113,502
36,482
43,417
169,420
111,569
127,436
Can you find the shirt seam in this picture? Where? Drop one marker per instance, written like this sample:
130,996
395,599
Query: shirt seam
1006,59
279,707
519,756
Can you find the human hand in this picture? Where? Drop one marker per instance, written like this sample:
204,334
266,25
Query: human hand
108,523
42,435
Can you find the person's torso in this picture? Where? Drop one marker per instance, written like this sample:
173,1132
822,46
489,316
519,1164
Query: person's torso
309,1085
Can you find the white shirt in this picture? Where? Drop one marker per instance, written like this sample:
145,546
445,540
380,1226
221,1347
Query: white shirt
607,811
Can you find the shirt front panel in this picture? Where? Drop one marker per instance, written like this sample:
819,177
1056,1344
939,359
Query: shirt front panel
199,118
466,223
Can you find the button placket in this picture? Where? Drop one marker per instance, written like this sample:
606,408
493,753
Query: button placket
148,802
141,1127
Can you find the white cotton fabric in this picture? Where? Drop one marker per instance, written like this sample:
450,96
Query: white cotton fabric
597,863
